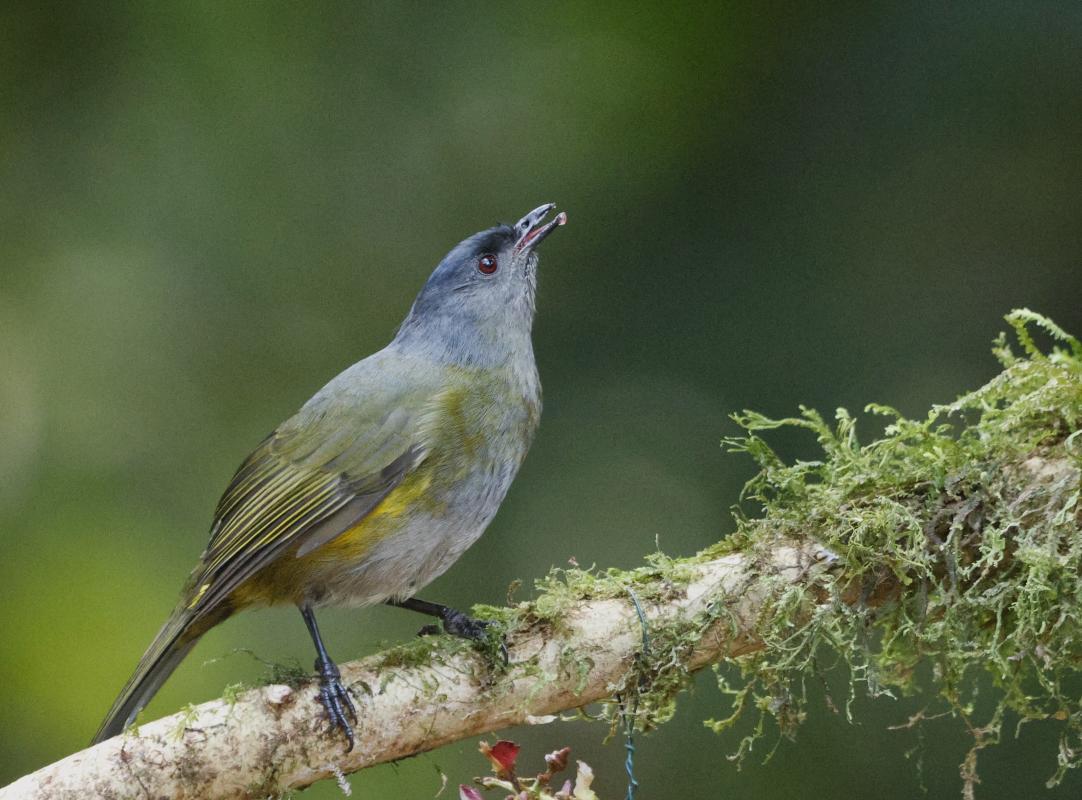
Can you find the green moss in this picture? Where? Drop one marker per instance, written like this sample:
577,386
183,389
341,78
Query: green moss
186,718
502,616
957,543
416,652
232,692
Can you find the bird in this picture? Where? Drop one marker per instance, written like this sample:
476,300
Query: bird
384,477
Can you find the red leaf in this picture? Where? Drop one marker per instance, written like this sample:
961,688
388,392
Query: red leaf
504,753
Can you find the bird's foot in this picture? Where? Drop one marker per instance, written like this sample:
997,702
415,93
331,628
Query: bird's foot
336,699
464,626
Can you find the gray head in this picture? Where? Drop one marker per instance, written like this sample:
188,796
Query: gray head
478,304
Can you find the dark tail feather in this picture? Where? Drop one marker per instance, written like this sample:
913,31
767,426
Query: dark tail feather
173,642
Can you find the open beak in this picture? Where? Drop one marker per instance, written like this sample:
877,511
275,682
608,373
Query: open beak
530,230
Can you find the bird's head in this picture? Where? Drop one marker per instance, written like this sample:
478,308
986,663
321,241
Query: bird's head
484,289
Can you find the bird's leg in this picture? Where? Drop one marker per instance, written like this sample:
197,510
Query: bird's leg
454,621
332,693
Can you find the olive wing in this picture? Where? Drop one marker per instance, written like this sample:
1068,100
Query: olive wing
316,476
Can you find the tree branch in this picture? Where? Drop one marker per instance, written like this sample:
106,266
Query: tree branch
275,738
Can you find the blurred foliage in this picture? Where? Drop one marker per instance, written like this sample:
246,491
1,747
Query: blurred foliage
209,209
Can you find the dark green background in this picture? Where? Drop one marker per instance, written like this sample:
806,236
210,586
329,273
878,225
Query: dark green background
208,209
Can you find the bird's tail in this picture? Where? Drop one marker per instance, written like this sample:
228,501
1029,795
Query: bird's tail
173,642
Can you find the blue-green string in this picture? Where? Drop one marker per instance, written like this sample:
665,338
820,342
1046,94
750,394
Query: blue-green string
629,719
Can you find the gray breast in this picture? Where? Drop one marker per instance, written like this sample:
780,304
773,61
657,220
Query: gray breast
429,541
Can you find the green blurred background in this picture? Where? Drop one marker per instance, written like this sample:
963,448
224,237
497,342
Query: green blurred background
208,209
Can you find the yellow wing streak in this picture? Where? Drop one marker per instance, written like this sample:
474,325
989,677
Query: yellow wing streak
253,504
294,502
258,481
314,504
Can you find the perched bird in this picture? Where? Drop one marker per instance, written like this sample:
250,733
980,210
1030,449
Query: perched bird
384,478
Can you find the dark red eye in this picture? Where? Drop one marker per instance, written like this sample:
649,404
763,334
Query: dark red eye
487,263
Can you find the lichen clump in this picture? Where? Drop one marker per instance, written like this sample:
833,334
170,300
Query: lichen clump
957,543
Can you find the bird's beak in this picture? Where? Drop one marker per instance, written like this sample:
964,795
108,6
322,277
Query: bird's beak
530,230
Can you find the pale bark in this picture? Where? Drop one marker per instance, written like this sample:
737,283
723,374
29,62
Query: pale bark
275,738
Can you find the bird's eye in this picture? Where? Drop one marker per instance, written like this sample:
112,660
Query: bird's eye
488,263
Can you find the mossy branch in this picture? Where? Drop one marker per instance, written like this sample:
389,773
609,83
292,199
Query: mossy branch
953,540
432,692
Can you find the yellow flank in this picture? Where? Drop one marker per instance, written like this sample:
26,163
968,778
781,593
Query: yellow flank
287,578
409,495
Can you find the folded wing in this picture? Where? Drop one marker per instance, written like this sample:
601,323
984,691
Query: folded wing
316,476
